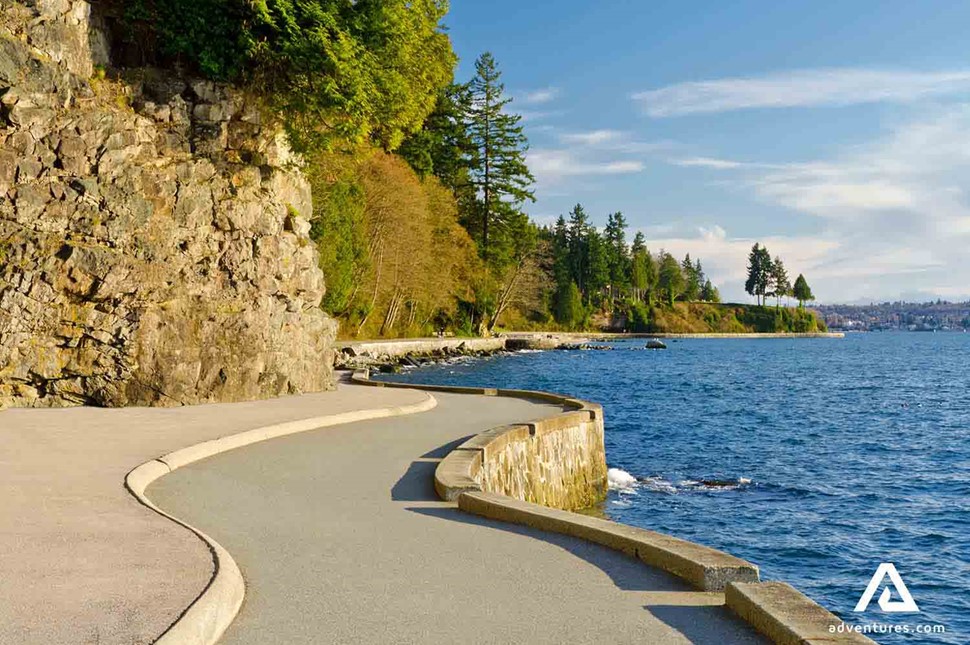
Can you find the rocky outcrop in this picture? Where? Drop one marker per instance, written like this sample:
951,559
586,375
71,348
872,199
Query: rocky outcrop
153,237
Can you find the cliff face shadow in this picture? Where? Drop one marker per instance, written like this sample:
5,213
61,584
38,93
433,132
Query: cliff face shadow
625,572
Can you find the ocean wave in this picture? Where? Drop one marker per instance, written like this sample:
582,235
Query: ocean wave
623,482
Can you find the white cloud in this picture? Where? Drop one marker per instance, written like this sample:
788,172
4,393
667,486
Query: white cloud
801,88
536,115
539,96
707,162
724,257
892,217
849,195
552,165
592,137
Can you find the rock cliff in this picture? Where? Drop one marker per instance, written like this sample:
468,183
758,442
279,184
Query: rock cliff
153,237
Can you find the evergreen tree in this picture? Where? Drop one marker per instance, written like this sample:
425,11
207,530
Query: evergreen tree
442,147
692,279
709,292
780,285
643,270
561,272
568,305
639,243
618,255
497,168
638,274
802,291
670,278
652,272
759,272
598,272
578,246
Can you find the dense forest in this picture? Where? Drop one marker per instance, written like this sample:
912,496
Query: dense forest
420,181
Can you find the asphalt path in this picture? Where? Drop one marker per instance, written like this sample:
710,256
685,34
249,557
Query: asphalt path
341,539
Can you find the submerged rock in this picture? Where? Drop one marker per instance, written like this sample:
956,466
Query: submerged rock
584,347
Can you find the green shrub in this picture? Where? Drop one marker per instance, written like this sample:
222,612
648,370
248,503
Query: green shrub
337,70
568,307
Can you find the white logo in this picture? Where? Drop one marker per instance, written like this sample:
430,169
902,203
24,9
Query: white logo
907,604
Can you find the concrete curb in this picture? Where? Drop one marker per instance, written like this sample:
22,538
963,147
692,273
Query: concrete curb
459,471
705,568
775,609
785,615
457,479
208,617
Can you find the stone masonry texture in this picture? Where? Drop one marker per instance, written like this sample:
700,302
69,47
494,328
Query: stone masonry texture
154,241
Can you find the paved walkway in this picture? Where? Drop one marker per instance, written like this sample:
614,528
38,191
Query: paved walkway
80,560
341,540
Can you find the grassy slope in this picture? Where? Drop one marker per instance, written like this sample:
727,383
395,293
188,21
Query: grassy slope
702,317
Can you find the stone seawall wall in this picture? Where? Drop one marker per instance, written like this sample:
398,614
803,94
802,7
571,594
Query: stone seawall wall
154,243
403,347
559,462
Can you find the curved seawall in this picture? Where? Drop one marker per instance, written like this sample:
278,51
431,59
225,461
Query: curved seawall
534,474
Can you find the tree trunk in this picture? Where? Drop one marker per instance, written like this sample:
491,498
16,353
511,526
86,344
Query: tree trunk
508,292
377,282
392,310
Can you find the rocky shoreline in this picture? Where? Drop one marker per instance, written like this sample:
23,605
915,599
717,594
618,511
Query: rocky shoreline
391,356
395,356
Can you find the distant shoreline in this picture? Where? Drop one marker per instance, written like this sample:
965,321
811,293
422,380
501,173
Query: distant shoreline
392,353
624,335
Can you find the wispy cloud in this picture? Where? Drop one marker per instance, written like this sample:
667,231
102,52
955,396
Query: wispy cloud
801,88
707,162
616,142
551,165
723,255
536,115
592,137
891,217
539,96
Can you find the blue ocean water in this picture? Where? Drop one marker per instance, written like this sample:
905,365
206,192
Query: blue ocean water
817,459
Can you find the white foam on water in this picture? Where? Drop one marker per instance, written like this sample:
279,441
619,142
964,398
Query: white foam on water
620,480
659,485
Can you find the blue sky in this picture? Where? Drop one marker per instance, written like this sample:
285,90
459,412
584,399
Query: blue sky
838,133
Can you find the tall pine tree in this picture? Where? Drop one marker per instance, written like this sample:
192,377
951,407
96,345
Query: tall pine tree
579,246
670,278
780,286
802,291
759,272
497,166
618,255
692,279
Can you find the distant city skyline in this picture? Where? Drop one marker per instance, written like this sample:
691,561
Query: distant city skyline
838,135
